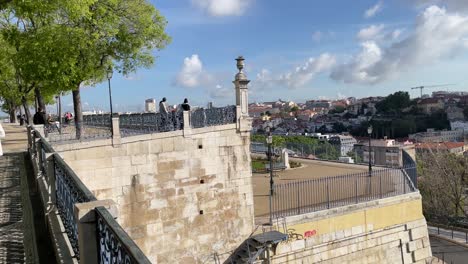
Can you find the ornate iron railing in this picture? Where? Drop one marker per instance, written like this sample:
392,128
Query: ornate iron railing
69,191
145,123
114,244
99,120
213,116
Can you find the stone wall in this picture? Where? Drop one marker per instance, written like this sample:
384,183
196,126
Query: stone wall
181,196
391,230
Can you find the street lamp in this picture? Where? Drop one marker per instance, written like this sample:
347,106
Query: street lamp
110,72
269,141
369,131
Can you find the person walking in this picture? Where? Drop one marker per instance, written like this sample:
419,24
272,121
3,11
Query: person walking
39,117
2,135
185,105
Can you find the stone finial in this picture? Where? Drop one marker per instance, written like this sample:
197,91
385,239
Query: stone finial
240,63
240,84
240,66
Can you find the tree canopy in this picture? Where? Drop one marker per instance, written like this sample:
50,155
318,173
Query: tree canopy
61,45
394,103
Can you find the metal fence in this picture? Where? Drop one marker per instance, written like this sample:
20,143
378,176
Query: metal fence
213,116
94,127
410,167
328,192
322,151
147,123
115,246
69,190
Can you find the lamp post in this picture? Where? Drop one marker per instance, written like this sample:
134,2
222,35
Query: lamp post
369,131
59,110
110,71
269,141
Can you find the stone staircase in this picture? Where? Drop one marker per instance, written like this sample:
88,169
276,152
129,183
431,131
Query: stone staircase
254,247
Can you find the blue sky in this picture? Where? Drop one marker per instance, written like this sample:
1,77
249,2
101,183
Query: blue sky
297,50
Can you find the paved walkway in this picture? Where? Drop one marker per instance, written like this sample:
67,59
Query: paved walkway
11,213
448,252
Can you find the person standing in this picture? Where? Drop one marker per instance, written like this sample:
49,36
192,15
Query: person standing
163,106
2,135
39,117
185,105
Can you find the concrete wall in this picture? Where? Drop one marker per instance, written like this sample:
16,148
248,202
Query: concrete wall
181,197
391,230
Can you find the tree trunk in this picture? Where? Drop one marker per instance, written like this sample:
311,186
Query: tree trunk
12,112
26,111
40,99
78,112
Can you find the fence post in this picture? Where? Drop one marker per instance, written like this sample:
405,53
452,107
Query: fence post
87,230
298,199
380,183
116,139
328,195
452,232
40,129
356,185
404,180
187,124
50,161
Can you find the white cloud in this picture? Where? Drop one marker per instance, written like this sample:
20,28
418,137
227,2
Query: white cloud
192,73
220,92
374,10
223,7
451,5
395,34
300,76
370,33
317,36
436,35
356,70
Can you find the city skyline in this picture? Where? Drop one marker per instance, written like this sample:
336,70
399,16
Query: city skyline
361,49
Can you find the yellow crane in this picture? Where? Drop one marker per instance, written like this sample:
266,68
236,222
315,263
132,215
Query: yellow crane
430,86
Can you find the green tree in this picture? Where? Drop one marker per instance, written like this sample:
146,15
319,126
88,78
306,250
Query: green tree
80,41
394,103
443,180
338,127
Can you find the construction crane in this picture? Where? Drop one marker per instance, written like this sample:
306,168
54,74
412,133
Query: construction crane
430,86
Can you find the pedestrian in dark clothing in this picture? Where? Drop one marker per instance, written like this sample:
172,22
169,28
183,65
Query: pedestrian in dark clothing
185,105
39,117
21,119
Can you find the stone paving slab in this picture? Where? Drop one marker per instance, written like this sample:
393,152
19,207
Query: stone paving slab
11,216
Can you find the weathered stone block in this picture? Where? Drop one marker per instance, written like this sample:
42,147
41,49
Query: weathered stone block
139,159
411,246
418,232
420,254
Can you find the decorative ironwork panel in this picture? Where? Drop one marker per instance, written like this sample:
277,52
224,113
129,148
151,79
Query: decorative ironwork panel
103,120
42,160
114,245
213,116
146,123
67,195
